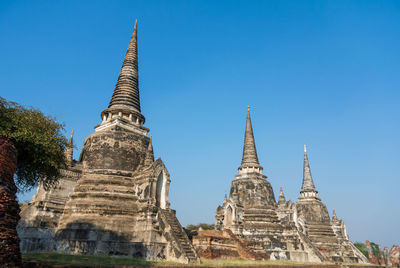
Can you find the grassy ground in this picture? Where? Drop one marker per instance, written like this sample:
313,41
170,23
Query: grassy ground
240,262
88,260
79,260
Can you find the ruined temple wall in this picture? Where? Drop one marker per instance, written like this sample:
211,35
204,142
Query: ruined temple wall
251,201
299,231
219,244
262,221
110,214
129,235
106,196
108,211
117,210
40,217
328,237
211,244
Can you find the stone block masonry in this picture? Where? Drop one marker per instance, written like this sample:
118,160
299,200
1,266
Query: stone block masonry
282,230
114,199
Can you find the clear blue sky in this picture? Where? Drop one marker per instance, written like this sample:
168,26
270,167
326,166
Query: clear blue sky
324,73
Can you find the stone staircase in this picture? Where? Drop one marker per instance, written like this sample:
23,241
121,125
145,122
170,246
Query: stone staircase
308,243
321,233
180,236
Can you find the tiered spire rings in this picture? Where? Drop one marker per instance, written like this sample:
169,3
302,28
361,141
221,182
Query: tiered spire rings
249,160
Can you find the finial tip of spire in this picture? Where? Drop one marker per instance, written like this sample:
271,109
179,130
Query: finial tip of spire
305,148
71,137
248,108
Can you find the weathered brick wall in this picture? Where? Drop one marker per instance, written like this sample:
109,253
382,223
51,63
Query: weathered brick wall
216,244
9,210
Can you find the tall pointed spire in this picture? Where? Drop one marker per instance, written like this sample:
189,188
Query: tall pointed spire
126,92
71,138
308,188
148,161
69,150
282,198
334,217
249,159
124,107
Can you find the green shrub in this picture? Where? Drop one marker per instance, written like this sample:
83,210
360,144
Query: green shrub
362,247
39,142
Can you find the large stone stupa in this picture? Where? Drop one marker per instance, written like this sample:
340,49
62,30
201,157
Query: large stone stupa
114,200
251,224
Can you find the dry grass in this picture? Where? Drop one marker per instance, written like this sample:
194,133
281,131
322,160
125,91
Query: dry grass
92,260
241,262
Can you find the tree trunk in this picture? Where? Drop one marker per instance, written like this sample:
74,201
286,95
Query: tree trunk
10,255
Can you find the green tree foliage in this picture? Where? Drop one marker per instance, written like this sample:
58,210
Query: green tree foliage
191,229
39,142
364,250
362,247
204,226
375,250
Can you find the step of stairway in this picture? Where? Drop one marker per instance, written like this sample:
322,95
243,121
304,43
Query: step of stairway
181,236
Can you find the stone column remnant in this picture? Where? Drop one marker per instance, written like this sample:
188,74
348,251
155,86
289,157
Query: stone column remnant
10,255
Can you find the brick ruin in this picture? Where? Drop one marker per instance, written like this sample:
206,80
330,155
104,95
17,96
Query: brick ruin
10,255
114,199
283,230
387,258
392,256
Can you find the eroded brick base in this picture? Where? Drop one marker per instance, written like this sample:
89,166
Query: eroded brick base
9,210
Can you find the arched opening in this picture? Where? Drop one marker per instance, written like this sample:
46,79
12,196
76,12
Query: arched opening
160,191
228,216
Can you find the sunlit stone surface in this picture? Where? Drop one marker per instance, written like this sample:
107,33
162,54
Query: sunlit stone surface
114,199
301,231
